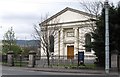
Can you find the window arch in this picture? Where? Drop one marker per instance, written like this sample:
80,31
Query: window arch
87,42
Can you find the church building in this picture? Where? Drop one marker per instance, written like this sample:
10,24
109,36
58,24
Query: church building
73,34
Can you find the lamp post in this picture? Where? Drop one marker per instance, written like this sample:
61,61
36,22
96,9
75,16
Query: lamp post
106,5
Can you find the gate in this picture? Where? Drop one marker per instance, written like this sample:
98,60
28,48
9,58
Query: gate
21,60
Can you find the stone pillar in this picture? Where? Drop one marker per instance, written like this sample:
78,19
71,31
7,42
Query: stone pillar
10,58
32,55
114,59
76,44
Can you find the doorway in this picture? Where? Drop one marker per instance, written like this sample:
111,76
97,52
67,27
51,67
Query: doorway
70,52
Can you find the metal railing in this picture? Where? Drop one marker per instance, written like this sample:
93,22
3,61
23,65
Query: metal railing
61,61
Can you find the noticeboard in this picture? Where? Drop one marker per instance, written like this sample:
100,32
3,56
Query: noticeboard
80,58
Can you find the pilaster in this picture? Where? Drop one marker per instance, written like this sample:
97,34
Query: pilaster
76,43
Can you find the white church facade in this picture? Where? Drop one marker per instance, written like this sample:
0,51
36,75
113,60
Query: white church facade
73,34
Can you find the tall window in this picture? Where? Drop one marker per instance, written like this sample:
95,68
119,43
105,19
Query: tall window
88,42
51,39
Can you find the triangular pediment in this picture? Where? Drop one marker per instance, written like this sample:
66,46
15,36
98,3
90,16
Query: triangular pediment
69,15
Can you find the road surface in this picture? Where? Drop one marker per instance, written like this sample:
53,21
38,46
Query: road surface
21,72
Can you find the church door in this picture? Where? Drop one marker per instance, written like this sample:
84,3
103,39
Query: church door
70,52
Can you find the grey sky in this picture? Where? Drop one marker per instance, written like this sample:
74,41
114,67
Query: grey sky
23,14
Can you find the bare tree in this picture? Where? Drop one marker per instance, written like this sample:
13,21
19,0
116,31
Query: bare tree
93,8
44,31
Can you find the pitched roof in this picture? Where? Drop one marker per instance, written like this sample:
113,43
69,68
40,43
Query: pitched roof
64,10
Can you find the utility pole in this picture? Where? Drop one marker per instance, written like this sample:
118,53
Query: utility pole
106,5
0,43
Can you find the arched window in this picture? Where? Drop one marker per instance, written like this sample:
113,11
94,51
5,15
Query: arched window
51,39
88,42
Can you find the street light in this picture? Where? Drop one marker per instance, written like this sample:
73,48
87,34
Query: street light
106,5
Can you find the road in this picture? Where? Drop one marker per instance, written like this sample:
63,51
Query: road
21,72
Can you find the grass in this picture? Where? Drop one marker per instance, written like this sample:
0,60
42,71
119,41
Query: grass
17,63
92,66
75,66
85,66
71,66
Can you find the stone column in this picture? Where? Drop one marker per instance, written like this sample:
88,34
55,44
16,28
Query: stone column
10,58
62,42
32,55
76,43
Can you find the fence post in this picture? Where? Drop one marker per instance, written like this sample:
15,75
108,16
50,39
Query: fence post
10,58
32,55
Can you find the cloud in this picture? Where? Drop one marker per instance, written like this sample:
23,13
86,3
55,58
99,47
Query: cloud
20,18
22,14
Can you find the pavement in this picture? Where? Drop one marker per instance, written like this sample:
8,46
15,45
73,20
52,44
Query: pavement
68,70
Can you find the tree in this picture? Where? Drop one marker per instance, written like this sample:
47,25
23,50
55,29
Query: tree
115,27
94,9
99,34
118,28
98,45
9,42
46,34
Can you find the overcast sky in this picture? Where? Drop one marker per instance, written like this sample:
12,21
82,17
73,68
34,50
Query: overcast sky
23,14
